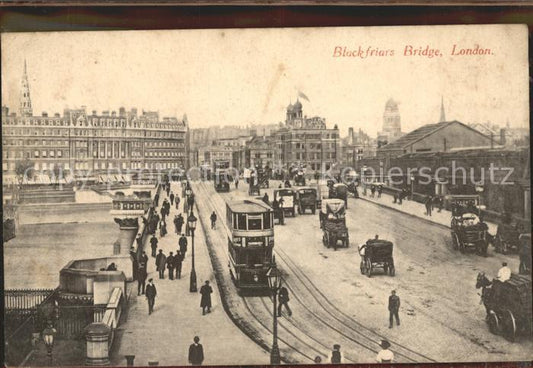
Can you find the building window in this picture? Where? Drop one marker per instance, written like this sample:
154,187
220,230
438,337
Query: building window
59,153
52,154
36,153
43,153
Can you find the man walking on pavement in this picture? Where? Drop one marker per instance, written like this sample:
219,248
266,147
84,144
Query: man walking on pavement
284,300
170,266
177,199
178,259
205,302
153,243
141,278
160,263
151,293
183,245
213,220
143,258
428,204
171,198
394,307
196,352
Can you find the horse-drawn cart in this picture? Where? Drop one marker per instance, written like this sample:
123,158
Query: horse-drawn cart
377,253
468,230
508,305
333,223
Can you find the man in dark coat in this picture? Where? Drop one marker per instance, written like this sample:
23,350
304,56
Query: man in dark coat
143,258
170,266
160,262
156,200
141,277
153,244
134,263
151,293
205,303
177,202
428,204
178,259
213,219
196,352
183,245
284,301
394,307
179,223
171,198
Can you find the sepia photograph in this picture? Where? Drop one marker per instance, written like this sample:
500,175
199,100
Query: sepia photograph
320,195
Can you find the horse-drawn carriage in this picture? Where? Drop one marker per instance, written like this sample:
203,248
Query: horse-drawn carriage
286,198
332,218
377,253
508,305
299,179
468,230
339,191
306,199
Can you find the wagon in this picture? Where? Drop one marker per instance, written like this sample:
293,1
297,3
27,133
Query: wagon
508,306
306,199
339,191
377,254
468,230
506,238
333,223
289,200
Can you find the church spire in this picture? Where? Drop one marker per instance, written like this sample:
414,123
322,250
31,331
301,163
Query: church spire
442,114
25,100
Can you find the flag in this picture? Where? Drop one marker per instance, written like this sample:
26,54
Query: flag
302,95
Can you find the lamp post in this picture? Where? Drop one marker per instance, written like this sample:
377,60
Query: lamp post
48,337
274,282
191,221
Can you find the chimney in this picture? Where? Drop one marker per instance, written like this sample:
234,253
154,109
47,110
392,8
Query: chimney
350,136
502,136
113,113
44,114
122,112
56,115
105,113
94,112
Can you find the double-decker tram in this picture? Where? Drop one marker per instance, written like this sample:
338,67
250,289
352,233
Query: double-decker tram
250,242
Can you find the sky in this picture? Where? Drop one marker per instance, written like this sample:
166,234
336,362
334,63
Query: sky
245,76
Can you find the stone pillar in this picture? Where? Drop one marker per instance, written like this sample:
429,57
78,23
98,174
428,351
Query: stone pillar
97,337
128,231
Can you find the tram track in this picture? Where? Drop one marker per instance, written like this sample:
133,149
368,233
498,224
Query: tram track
326,316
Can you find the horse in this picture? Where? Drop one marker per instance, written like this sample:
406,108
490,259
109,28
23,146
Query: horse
486,288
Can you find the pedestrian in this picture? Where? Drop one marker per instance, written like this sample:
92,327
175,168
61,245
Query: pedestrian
175,221
380,189
183,245
395,198
160,263
139,241
205,302
141,279
196,352
163,228
171,198
266,199
385,355
143,258
236,182
504,273
372,191
213,220
177,199
156,200
336,356
151,293
440,203
394,307
178,260
170,266
180,223
153,244
428,205
284,301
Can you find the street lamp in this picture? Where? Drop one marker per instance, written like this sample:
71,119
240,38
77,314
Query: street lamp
48,337
191,221
274,282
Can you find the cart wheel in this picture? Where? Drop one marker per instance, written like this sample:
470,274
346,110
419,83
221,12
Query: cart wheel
509,326
455,241
494,323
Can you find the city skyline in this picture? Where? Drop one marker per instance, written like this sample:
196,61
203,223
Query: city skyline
247,79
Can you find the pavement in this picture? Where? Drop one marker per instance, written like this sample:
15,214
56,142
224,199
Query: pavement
418,210
165,335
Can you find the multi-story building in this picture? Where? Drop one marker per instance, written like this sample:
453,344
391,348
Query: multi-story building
83,143
356,147
260,151
208,155
306,141
392,124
